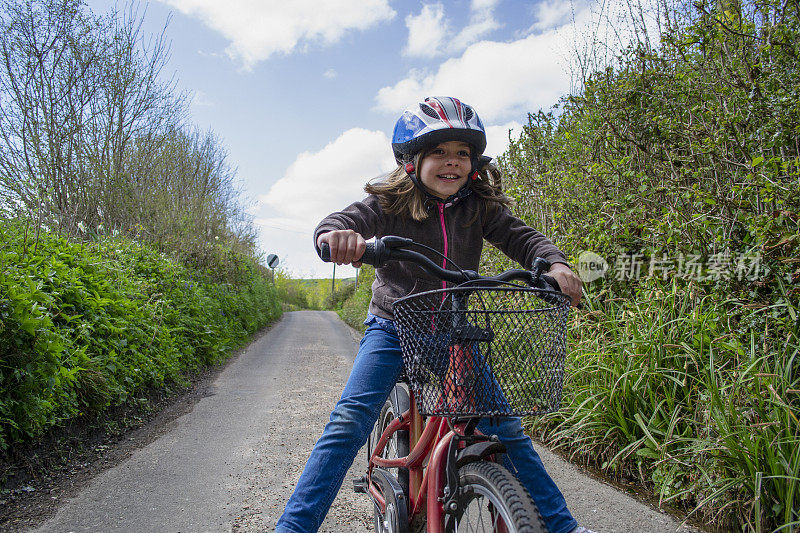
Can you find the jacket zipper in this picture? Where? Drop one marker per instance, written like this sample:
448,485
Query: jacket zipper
444,235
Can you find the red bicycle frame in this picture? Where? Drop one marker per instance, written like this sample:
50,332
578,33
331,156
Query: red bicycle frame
426,483
433,442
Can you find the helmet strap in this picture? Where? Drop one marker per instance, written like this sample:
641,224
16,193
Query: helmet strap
412,173
478,163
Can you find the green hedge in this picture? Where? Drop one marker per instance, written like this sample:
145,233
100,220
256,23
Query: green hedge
684,159
84,326
354,309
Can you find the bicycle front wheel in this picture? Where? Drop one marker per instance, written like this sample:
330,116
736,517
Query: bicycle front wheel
493,500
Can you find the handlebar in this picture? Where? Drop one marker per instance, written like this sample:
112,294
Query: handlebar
393,248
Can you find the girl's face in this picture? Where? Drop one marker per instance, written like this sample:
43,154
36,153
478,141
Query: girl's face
445,169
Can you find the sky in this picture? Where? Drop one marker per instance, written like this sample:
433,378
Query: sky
304,94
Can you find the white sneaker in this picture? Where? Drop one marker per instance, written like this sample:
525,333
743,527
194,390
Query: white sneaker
581,529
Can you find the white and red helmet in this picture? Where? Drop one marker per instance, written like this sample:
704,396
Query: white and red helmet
436,120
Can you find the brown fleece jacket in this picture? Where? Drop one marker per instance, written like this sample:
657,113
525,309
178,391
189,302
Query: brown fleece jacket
462,226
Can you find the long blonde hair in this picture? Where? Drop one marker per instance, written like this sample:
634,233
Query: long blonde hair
398,195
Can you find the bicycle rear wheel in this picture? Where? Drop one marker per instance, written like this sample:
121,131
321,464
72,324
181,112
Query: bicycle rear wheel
398,445
494,501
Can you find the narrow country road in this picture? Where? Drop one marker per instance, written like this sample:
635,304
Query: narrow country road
230,463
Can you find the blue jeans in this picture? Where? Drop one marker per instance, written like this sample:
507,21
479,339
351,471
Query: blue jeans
375,371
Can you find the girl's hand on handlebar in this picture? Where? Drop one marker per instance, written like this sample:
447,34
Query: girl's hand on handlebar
346,246
568,281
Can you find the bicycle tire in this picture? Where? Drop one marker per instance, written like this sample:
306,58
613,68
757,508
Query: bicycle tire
398,446
490,493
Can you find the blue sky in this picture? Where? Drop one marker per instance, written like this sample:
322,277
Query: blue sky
304,93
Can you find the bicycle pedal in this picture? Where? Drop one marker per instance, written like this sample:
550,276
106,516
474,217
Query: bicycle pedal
360,485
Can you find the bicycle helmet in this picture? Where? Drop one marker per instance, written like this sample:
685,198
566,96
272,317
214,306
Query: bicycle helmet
433,121
436,120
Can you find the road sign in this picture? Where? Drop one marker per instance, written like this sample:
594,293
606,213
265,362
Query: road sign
272,260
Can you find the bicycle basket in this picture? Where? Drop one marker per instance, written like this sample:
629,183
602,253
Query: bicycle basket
483,351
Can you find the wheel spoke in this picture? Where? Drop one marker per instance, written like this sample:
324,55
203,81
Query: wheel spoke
493,501
480,515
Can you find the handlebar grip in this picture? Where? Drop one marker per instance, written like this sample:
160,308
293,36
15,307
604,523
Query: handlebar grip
370,256
325,252
551,281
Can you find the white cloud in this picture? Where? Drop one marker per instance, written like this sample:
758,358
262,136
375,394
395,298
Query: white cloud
552,14
481,23
482,5
497,137
506,80
426,31
213,55
473,33
315,185
330,74
260,28
429,33
201,99
501,80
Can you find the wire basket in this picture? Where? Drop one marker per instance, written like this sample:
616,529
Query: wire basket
484,351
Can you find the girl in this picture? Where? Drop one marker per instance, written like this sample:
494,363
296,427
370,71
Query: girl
446,195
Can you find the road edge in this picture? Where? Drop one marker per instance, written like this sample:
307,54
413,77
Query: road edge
36,500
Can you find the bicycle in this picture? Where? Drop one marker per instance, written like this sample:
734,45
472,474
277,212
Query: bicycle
483,348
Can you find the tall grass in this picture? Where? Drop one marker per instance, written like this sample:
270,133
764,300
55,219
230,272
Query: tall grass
661,389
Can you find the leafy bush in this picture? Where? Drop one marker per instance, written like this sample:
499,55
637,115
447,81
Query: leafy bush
344,290
83,326
684,160
313,293
291,292
354,310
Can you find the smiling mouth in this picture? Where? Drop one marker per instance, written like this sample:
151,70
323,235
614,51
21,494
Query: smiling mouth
448,177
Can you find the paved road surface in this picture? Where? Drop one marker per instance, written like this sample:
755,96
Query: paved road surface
230,463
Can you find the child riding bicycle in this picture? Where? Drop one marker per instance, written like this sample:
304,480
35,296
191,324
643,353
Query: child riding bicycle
446,195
